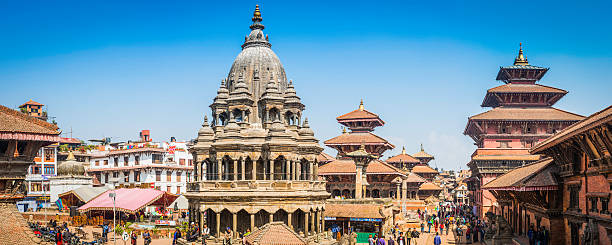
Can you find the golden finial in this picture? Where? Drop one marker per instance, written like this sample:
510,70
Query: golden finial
257,14
361,105
344,130
403,150
422,147
520,59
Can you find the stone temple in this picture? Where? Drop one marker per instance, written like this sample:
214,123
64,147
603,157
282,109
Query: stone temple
256,159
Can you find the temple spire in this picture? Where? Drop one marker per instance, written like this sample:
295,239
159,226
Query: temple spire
361,105
520,59
403,150
422,147
257,19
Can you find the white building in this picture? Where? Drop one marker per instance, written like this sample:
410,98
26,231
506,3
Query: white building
163,166
44,167
461,194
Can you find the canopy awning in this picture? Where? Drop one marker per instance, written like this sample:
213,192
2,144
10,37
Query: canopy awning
129,200
85,193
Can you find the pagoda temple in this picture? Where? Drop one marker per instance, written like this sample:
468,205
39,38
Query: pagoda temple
340,173
361,185
256,163
521,115
420,175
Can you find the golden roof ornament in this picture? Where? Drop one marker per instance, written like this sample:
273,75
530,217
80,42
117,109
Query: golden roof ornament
361,105
403,150
70,157
257,14
520,59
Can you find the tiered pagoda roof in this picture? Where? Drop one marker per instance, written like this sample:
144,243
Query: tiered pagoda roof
423,156
347,167
403,158
361,124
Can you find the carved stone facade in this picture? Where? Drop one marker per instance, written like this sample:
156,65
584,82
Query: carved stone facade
256,162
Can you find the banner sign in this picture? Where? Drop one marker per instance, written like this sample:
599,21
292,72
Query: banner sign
165,222
366,219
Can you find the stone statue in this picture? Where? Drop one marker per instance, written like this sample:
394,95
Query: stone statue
503,235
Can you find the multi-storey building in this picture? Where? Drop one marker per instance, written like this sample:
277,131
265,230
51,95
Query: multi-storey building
257,163
568,192
44,167
522,115
163,166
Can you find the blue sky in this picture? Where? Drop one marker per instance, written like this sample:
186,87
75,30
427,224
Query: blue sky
112,68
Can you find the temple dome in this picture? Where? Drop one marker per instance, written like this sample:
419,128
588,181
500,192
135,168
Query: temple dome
70,167
257,64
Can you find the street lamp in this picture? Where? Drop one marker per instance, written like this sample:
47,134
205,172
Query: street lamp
113,195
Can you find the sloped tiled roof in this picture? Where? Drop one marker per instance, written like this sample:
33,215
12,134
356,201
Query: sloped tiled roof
30,102
324,158
358,114
405,158
275,233
529,177
357,138
347,210
598,118
342,166
527,114
412,177
14,227
13,121
422,154
423,169
428,186
525,88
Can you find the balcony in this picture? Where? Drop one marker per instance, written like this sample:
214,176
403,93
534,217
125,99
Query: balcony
269,185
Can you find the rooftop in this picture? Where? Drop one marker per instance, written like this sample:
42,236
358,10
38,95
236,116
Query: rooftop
358,138
527,114
12,121
274,233
30,102
423,169
535,176
599,118
402,158
347,167
371,211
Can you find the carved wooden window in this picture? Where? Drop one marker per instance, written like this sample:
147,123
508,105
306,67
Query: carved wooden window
593,204
126,160
573,197
116,161
157,175
604,205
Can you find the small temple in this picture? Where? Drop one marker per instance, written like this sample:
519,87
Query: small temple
521,116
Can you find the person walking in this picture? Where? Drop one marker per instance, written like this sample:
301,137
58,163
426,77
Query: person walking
459,234
177,235
381,240
147,237
408,236
437,239
134,238
390,241
371,240
401,240
422,228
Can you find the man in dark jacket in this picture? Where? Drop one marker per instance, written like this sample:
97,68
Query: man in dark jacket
401,240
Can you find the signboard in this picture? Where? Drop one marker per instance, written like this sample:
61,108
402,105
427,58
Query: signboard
330,218
366,219
165,222
125,236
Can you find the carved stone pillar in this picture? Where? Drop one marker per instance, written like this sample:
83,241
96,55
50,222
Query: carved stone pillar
218,224
358,184
306,214
242,176
289,215
235,169
397,192
404,191
271,218
252,222
287,169
235,224
310,171
219,169
271,169
323,220
254,173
